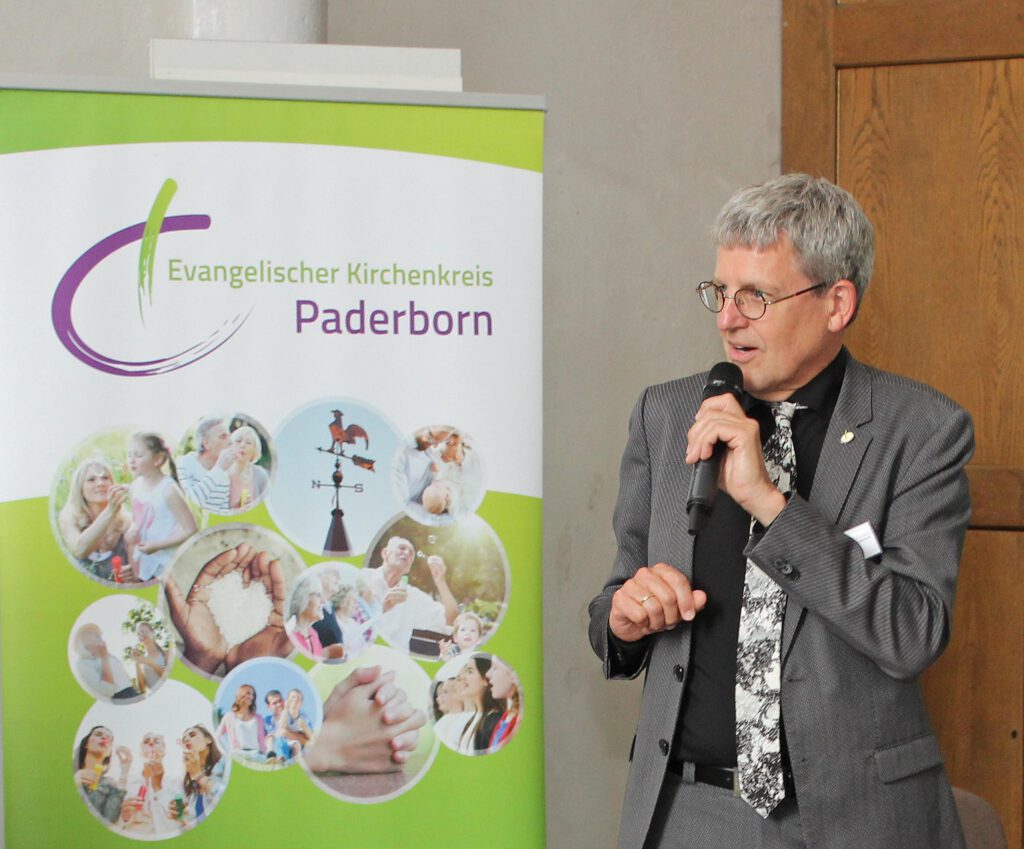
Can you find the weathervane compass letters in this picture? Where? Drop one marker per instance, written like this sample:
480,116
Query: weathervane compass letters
337,544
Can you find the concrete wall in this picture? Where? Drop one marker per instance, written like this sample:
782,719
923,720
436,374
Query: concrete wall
657,111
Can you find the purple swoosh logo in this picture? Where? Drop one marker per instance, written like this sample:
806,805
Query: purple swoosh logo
79,270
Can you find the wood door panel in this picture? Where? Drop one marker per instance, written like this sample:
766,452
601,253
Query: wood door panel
917,107
975,693
869,32
808,89
935,153
997,496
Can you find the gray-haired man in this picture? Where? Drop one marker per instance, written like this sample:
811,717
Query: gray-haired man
203,472
782,646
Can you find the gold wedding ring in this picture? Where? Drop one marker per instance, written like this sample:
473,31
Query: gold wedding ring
644,598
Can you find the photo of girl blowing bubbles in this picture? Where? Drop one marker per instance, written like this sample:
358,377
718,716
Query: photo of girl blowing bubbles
117,509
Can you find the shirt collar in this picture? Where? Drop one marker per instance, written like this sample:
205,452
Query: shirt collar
822,392
819,394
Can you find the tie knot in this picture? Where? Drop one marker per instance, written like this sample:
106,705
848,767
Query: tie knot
783,411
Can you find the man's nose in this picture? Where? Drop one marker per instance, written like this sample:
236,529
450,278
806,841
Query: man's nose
730,317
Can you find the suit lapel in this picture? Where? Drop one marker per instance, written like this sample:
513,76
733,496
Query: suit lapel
846,442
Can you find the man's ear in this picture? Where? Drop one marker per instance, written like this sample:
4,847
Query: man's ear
843,295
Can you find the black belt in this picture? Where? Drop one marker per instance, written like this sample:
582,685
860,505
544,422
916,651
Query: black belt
727,778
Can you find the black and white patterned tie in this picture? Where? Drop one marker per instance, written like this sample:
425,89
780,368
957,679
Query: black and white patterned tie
758,655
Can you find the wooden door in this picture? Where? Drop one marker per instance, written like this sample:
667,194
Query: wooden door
917,107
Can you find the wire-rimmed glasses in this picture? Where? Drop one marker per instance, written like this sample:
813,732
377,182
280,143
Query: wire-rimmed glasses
750,302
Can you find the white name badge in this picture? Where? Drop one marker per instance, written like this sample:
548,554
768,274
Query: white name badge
864,536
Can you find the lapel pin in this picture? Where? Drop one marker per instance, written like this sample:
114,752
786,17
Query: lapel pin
846,437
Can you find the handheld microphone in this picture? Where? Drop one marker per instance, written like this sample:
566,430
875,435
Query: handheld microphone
723,378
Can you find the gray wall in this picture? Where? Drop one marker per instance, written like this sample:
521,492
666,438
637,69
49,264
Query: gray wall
657,111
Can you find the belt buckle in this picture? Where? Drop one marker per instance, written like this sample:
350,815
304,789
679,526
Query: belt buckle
723,777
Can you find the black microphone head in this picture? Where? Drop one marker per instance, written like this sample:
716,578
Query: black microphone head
724,377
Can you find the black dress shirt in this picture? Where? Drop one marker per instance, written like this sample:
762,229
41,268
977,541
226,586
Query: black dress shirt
706,731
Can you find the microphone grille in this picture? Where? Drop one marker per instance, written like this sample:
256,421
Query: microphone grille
727,375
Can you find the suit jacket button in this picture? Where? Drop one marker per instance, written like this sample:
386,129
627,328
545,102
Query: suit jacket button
679,672
784,566
663,745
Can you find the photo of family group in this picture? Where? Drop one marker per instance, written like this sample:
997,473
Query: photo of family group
476,704
438,475
375,742
225,463
153,770
266,713
225,596
443,590
120,650
332,613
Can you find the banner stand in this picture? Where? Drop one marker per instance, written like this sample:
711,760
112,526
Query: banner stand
270,513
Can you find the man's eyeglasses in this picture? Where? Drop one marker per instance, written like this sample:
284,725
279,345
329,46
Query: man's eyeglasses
751,303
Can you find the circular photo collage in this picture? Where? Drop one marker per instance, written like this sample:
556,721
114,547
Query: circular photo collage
396,642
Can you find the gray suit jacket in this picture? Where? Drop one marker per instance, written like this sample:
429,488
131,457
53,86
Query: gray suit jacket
858,631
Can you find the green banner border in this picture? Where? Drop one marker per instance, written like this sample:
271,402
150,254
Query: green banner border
32,119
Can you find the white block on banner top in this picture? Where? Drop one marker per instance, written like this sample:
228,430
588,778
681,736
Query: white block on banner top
339,65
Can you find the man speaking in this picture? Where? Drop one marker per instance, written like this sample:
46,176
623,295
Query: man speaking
782,644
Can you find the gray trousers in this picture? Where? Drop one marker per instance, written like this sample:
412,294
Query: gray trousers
698,816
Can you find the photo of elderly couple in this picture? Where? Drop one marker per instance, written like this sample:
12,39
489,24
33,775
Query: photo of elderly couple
120,649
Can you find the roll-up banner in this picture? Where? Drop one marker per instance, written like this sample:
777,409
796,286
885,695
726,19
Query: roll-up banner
270,507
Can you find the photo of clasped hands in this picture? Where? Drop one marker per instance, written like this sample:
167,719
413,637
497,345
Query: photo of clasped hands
659,597
369,726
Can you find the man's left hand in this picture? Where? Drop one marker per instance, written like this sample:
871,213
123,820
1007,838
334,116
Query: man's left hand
744,475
